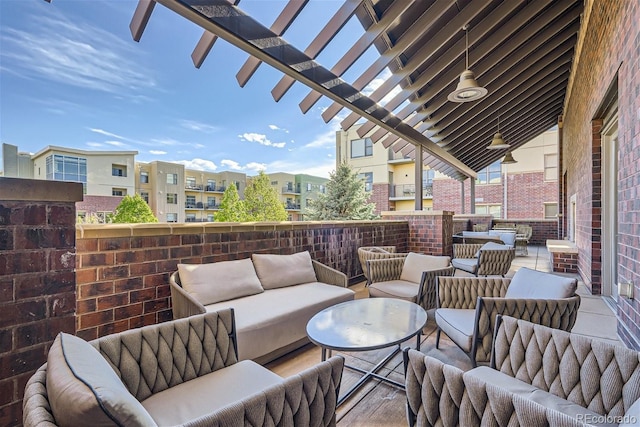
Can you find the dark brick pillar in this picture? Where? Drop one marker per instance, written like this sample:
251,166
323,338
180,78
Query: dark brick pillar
37,280
430,232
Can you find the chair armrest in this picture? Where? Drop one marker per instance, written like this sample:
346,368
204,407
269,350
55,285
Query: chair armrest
155,357
306,399
463,292
381,270
183,304
427,293
466,250
434,390
326,274
36,409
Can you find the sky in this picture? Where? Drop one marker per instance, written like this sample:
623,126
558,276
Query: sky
72,76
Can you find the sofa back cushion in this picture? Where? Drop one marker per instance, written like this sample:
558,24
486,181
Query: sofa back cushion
220,281
532,284
279,271
83,389
415,264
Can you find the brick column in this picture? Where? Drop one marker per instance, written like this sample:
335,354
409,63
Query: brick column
37,280
430,232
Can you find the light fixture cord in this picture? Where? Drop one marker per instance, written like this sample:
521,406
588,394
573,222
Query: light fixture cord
466,34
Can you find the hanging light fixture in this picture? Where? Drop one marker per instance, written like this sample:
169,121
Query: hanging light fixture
497,142
468,88
508,159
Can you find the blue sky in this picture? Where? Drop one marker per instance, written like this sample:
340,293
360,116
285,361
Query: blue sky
72,76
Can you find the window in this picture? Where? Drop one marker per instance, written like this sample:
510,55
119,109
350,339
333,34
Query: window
308,186
190,218
118,191
494,210
118,170
144,177
172,178
191,202
211,202
490,175
211,185
551,167
274,183
210,218
172,217
427,177
191,182
67,168
550,210
322,188
237,183
361,148
172,199
145,196
367,177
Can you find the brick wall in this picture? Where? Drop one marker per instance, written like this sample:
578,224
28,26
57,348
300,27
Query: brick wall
93,204
564,262
608,55
380,196
430,232
123,270
37,280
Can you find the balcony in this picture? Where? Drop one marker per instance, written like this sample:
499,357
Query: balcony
292,206
408,192
214,189
291,189
193,187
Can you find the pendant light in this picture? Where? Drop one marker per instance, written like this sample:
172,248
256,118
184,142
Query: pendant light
508,159
497,142
468,88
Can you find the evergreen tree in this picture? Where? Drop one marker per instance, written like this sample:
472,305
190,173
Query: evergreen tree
132,210
261,201
231,207
346,198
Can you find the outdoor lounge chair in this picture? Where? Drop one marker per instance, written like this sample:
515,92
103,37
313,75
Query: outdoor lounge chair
539,376
411,277
489,259
468,306
365,253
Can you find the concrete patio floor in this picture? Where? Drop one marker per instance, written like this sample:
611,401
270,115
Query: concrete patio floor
380,404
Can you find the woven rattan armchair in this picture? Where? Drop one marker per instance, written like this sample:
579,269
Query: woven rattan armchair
483,259
183,372
539,376
365,253
468,306
411,277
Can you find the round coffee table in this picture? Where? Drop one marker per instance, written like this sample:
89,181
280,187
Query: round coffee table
367,324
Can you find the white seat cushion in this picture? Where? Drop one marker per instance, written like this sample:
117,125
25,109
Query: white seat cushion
532,284
415,264
457,324
465,264
277,317
400,289
203,395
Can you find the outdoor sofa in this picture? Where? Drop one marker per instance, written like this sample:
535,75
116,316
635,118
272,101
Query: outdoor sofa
539,376
273,296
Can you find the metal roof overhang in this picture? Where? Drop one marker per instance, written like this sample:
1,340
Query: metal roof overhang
521,51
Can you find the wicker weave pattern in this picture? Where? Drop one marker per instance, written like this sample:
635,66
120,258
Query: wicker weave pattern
365,254
328,275
495,262
36,409
466,250
382,270
463,292
428,294
594,374
182,303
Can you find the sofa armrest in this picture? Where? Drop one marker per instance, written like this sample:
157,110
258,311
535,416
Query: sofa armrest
331,276
463,292
182,303
434,390
466,250
36,409
153,358
382,270
427,293
600,376
306,399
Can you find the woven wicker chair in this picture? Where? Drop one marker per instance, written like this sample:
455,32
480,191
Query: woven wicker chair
539,376
192,360
468,306
365,253
474,258
411,277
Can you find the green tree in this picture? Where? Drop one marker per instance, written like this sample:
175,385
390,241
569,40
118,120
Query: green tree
261,201
345,198
231,207
132,210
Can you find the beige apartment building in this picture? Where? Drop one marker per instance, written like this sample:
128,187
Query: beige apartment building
297,191
525,189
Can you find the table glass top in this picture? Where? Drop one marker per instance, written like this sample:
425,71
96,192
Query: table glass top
366,324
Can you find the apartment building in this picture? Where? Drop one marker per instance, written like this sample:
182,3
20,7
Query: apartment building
297,191
526,189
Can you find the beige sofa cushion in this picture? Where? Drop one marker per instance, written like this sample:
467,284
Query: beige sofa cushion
278,271
204,395
415,264
220,281
402,289
458,325
83,388
532,284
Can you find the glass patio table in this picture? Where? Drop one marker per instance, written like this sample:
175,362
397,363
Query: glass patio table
367,324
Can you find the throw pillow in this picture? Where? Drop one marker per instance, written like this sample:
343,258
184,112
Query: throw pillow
84,389
220,281
415,264
279,271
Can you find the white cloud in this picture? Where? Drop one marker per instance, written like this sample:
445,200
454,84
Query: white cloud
328,138
260,139
231,165
116,143
197,126
255,166
157,152
199,164
274,127
321,169
377,82
105,133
